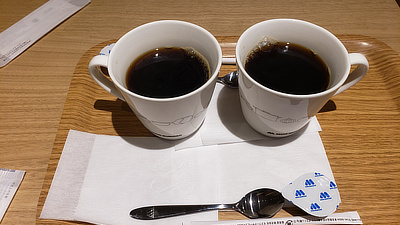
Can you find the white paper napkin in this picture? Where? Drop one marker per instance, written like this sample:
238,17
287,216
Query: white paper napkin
122,173
100,178
133,172
127,173
225,122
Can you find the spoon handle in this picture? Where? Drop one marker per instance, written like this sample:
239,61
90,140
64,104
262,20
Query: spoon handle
158,212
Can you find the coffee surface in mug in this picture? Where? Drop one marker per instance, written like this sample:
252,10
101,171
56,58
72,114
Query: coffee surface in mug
167,72
288,68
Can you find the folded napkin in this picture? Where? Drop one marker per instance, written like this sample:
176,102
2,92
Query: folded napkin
225,122
100,178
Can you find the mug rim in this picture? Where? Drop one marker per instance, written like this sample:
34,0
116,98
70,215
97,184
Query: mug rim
212,78
328,91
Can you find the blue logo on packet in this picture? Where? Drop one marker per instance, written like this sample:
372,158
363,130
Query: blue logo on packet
324,196
315,207
332,185
318,175
309,183
300,194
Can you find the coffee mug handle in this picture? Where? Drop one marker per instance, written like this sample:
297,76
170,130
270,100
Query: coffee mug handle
358,73
94,70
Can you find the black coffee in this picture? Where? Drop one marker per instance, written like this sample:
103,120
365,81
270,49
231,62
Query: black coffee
167,72
288,68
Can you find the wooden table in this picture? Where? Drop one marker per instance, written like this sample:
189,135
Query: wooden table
363,152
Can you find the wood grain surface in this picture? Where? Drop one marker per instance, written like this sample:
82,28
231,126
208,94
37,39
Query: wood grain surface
34,86
360,130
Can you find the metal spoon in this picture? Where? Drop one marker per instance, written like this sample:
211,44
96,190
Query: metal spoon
230,80
258,203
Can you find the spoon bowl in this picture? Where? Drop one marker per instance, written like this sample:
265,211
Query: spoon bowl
230,80
259,203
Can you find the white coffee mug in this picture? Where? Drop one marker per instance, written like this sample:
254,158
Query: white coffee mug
169,118
278,114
